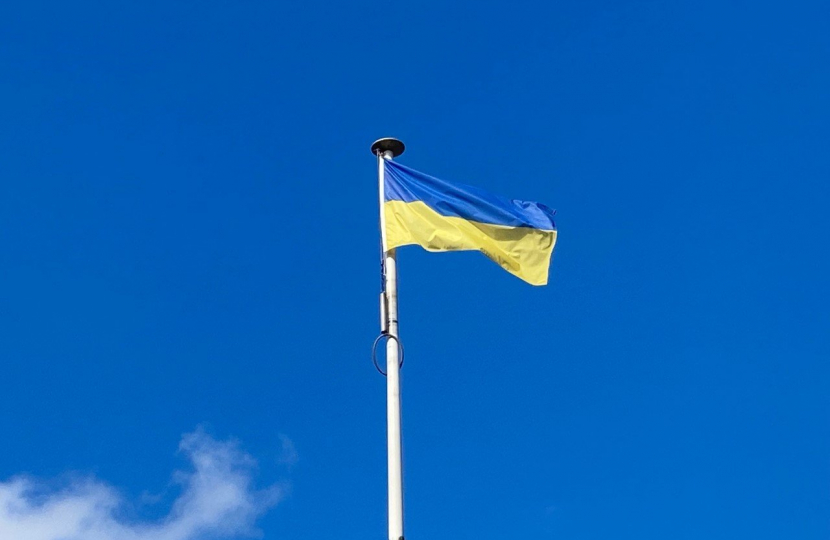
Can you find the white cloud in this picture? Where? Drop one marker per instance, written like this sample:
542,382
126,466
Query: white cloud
217,500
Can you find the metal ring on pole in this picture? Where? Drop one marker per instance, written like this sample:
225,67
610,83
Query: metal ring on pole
375,351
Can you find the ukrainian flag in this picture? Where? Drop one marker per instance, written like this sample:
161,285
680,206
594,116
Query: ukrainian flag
441,216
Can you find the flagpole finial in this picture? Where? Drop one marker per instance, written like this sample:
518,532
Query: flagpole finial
388,144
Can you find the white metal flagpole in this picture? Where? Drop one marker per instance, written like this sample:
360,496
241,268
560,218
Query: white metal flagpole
387,149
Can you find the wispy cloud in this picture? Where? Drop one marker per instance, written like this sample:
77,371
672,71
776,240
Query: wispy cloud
217,501
288,456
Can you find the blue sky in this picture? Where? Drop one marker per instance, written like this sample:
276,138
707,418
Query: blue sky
188,221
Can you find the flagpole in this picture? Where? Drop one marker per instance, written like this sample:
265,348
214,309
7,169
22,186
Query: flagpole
389,148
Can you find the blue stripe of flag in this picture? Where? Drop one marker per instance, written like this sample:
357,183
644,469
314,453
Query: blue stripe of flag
467,202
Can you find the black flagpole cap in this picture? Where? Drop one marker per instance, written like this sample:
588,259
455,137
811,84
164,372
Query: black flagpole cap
388,144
